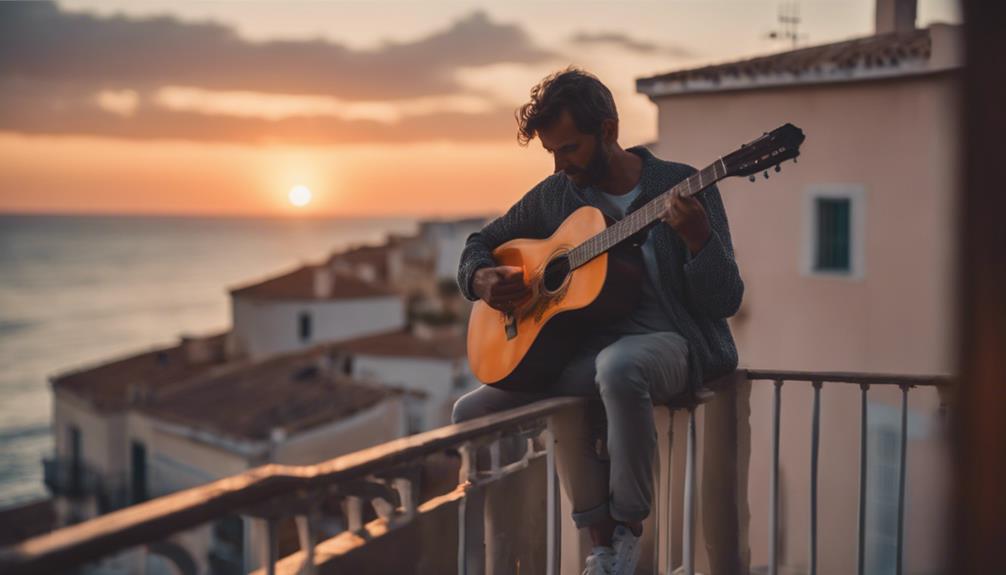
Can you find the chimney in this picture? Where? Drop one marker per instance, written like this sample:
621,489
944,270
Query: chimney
323,280
895,16
196,350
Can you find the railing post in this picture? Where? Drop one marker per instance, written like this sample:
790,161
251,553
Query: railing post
669,538
471,516
773,558
657,488
688,553
272,545
306,525
552,505
901,479
861,536
815,436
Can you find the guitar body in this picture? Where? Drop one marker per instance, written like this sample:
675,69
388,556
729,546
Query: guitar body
528,348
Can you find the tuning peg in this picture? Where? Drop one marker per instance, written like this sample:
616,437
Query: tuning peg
765,174
751,178
778,168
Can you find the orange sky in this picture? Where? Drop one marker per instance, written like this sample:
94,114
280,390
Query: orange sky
107,108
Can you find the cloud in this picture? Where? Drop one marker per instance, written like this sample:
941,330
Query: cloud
64,72
39,40
623,41
32,110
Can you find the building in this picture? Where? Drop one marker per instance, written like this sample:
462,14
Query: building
447,239
180,425
309,305
847,261
88,472
430,362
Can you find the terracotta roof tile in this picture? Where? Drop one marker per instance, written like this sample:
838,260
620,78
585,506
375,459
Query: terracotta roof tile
108,386
885,50
299,284
293,392
402,343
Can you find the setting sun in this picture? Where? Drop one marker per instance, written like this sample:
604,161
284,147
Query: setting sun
299,196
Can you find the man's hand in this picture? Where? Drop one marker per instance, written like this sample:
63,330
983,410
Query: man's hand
502,287
687,216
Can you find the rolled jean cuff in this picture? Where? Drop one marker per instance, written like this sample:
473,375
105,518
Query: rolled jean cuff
591,516
628,515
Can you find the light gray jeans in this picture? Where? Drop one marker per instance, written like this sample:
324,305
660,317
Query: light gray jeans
629,374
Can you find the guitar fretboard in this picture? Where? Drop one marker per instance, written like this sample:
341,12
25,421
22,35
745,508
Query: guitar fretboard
645,215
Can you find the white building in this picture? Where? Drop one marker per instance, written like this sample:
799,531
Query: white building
310,305
88,473
179,425
447,238
431,363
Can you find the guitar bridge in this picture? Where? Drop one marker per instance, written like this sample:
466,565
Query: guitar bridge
511,326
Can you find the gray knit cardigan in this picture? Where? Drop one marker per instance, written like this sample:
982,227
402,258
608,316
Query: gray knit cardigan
699,291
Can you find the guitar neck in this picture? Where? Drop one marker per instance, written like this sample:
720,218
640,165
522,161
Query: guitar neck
645,215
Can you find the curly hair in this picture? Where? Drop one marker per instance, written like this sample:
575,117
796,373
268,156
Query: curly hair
588,101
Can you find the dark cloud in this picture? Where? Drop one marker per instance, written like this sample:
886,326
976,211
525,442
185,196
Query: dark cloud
628,43
53,64
39,40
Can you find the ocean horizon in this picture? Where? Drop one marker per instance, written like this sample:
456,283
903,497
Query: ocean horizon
79,290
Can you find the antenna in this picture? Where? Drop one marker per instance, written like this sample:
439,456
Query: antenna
789,23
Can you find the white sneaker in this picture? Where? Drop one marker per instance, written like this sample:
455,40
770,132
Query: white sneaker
627,549
600,561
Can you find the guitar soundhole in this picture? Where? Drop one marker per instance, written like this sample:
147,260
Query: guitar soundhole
555,273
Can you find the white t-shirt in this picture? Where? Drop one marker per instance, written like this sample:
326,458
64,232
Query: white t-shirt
649,316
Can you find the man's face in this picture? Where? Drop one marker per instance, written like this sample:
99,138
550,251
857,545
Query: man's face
582,157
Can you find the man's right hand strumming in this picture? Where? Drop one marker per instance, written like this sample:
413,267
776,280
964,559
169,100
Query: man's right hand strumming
502,287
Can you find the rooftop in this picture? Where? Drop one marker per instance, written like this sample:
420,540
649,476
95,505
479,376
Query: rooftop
108,386
293,392
405,343
871,57
302,284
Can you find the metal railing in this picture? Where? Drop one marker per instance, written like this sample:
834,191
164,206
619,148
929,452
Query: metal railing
385,477
817,380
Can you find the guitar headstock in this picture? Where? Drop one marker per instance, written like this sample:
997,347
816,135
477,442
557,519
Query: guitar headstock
767,151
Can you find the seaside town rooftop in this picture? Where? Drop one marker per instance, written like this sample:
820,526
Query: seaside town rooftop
109,385
312,282
292,393
879,56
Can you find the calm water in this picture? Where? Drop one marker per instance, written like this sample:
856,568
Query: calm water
79,290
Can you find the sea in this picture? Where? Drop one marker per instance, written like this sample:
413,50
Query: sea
80,290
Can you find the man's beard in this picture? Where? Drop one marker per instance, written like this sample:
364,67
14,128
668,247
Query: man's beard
597,168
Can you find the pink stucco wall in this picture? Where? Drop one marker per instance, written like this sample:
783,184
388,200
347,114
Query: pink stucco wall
897,140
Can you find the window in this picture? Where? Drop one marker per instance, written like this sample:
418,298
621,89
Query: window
834,227
832,249
138,472
76,458
305,327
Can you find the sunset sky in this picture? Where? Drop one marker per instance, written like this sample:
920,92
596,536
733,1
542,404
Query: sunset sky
379,107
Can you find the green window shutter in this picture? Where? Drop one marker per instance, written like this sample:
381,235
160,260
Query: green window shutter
834,235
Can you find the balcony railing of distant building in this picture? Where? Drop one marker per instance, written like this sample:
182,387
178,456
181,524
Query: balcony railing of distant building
385,477
75,479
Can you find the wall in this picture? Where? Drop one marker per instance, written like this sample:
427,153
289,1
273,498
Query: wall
434,377
896,139
264,328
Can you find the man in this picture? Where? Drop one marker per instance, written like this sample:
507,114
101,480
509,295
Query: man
676,338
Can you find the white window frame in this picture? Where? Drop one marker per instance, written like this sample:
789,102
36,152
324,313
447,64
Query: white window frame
856,194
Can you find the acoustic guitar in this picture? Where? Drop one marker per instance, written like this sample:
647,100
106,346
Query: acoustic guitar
588,273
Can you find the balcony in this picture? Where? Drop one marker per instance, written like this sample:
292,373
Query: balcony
395,523
72,479
67,477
